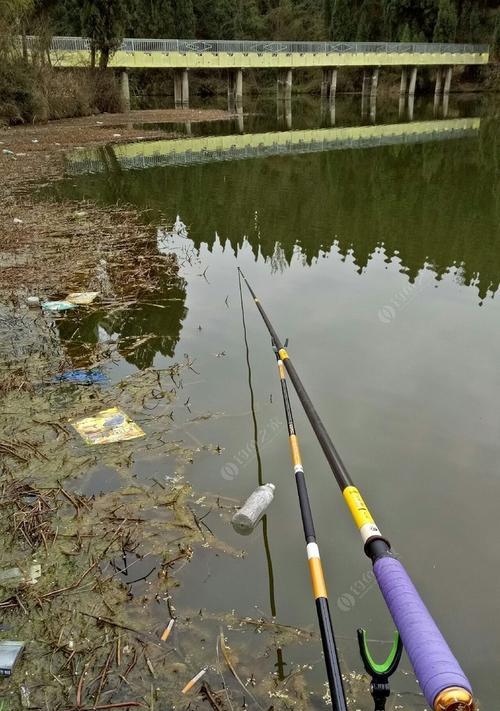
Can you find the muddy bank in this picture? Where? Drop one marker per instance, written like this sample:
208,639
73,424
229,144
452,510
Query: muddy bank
30,155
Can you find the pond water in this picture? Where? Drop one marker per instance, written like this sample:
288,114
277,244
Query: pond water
375,248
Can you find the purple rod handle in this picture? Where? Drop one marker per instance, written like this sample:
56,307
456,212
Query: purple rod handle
435,666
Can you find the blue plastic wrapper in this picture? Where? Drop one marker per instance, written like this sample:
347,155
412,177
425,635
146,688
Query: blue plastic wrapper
81,377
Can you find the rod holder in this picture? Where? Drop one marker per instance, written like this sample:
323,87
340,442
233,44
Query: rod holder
380,673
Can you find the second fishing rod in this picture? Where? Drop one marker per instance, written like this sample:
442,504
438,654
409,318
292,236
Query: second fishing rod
330,653
443,683
315,567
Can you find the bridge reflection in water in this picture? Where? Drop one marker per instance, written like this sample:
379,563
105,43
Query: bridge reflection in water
211,149
408,189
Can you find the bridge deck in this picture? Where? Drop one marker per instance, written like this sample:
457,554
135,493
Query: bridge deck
194,54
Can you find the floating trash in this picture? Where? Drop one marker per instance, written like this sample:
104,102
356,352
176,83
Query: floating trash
245,520
15,575
107,426
9,654
82,298
193,681
58,306
81,376
168,630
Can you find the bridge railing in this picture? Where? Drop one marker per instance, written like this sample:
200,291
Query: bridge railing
185,46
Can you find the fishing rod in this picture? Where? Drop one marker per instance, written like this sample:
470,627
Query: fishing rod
443,683
315,568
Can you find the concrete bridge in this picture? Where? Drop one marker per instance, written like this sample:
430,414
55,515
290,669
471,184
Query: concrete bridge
184,56
211,149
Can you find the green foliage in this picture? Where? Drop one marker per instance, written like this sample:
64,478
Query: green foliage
248,22
342,28
185,20
446,23
495,42
155,18
104,22
370,23
214,18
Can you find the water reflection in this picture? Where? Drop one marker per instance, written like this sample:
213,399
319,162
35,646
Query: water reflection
338,226
142,315
407,188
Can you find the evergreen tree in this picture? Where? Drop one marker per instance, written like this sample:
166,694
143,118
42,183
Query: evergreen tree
214,19
495,43
342,27
104,23
370,22
153,18
185,20
406,34
474,29
446,23
248,22
327,14
66,18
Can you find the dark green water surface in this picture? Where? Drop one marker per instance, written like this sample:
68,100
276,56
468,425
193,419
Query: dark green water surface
381,263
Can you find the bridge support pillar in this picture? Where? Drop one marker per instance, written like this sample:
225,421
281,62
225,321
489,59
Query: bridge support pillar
177,88
448,78
285,79
181,88
373,94
185,88
329,83
439,82
234,88
125,92
413,81
364,92
366,82
404,81
438,89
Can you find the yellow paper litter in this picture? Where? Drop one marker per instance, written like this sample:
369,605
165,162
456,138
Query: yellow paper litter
82,298
107,426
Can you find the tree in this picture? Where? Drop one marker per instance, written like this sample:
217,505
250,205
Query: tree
154,18
370,22
446,23
248,22
405,35
13,14
342,27
185,20
104,22
496,36
214,18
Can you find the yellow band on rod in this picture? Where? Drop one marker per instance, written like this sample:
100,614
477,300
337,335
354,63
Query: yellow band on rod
283,354
317,578
294,446
357,506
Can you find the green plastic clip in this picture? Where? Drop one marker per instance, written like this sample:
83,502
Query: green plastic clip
380,673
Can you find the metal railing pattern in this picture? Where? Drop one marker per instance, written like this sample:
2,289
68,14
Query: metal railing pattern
185,46
96,162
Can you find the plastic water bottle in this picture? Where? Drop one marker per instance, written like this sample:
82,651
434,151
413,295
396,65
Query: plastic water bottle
245,520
